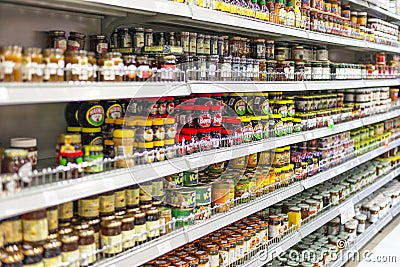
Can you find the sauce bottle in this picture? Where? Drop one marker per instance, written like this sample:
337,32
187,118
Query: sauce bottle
280,12
264,12
290,15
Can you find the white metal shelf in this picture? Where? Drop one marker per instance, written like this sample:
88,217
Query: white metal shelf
32,93
292,239
364,238
56,193
374,9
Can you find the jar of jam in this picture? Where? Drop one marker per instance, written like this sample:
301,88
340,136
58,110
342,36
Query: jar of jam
54,65
70,250
87,247
76,41
128,232
57,39
140,227
17,161
65,212
111,236
52,219
52,253
98,43
35,227
274,225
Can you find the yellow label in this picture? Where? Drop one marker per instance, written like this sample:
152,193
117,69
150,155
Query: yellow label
35,230
115,243
152,227
87,254
12,231
107,203
88,208
65,210
52,219
234,9
120,200
71,257
132,196
139,230
145,192
128,237
217,5
51,262
157,188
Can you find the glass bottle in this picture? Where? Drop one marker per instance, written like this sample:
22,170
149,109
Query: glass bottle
280,12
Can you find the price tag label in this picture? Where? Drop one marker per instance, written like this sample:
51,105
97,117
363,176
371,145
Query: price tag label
347,212
164,247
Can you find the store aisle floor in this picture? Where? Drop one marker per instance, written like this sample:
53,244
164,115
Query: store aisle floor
383,250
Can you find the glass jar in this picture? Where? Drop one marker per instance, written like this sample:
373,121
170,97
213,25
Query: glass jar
111,236
52,253
70,250
32,65
87,247
57,39
76,41
54,65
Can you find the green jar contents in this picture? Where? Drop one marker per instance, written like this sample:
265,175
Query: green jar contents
181,215
276,125
247,129
258,128
94,158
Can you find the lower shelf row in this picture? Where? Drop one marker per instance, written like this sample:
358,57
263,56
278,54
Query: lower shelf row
80,242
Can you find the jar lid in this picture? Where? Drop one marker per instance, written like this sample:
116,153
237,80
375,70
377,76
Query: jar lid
362,14
69,153
69,238
29,250
23,142
118,133
169,142
52,244
109,142
158,121
74,129
91,130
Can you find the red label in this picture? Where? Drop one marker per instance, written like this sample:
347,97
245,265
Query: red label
154,109
217,119
204,120
162,109
207,142
170,108
189,120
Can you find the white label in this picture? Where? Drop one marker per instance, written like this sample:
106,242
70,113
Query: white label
52,68
8,67
373,218
60,68
361,228
108,71
24,171
87,253
347,212
211,70
214,261
224,257
164,247
129,239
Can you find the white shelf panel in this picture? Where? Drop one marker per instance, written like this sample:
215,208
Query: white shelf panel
27,93
326,175
330,85
381,82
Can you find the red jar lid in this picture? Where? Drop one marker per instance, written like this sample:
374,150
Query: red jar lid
215,129
226,131
68,153
215,107
202,108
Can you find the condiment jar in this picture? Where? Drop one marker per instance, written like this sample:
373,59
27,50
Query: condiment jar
87,247
12,59
54,65
89,207
52,253
35,227
70,250
17,161
140,227
123,140
32,255
111,236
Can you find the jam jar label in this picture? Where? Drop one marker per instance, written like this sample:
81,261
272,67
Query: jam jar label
12,231
258,131
95,116
283,110
120,199
114,242
114,111
129,239
240,107
204,120
143,72
65,210
223,258
132,196
148,135
52,219
170,107
87,254
107,203
160,155
102,48
206,142
153,109
140,231
217,119
247,133
88,208
162,108
97,141
73,45
50,262
35,230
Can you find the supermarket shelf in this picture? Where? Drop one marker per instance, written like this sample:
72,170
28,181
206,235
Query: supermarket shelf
330,85
326,175
374,10
31,93
196,231
56,193
368,235
293,238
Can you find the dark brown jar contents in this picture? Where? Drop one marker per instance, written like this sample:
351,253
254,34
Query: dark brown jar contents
70,250
128,232
111,237
95,225
12,257
52,253
107,204
89,208
152,223
87,247
52,219
140,227
34,227
32,256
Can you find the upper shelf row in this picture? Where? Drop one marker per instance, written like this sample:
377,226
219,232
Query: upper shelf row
201,18
34,93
